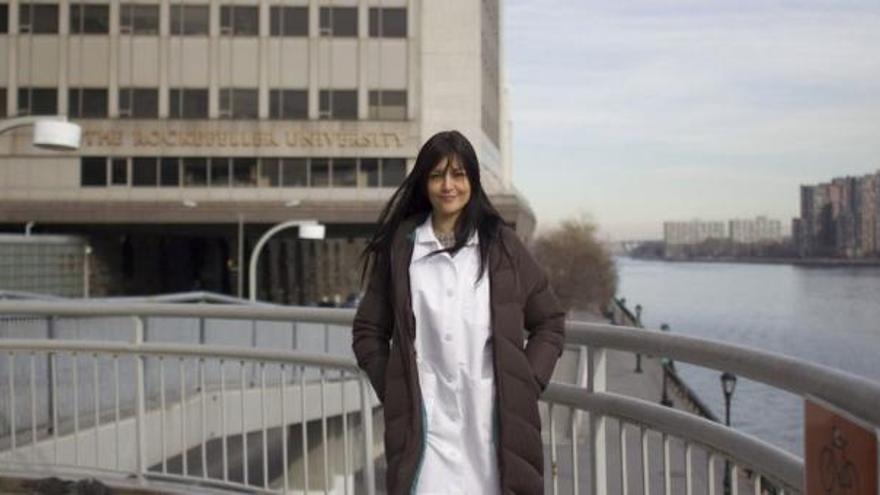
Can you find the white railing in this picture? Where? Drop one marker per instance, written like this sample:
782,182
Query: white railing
251,419
631,439
198,399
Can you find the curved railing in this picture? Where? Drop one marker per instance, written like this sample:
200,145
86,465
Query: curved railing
855,395
630,440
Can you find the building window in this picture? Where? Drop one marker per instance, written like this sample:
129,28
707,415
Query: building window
237,103
244,172
38,18
187,103
89,19
239,20
288,104
119,172
368,172
4,18
338,21
294,172
344,172
139,103
219,176
387,105
195,172
144,171
338,104
190,20
393,171
289,21
93,171
270,173
37,101
387,22
169,172
139,19
87,103
319,172
227,172
3,109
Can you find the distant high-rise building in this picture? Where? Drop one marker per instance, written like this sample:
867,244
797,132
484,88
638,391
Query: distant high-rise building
692,232
840,218
753,230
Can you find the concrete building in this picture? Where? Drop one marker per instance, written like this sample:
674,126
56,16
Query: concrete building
692,232
207,122
755,230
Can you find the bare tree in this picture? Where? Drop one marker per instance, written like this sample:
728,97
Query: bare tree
581,271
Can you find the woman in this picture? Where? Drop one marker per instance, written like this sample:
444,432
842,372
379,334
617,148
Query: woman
439,333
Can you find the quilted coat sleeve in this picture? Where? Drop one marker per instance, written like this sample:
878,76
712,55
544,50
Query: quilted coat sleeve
373,324
544,319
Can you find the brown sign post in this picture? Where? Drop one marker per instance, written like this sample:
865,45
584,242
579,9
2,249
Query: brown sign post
840,452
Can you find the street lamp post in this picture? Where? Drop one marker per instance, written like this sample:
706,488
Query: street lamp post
728,385
638,325
308,229
665,363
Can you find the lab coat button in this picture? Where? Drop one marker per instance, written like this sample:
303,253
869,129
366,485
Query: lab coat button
447,337
450,292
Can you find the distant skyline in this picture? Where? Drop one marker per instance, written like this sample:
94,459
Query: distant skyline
638,112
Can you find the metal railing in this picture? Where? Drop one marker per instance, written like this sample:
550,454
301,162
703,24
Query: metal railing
611,467
206,414
252,419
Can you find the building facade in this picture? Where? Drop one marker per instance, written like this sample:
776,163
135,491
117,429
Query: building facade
692,232
205,123
840,218
755,230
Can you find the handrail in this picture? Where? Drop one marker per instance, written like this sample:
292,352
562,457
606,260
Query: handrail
745,449
785,372
86,309
203,351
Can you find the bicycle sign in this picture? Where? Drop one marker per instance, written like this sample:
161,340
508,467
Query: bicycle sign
840,453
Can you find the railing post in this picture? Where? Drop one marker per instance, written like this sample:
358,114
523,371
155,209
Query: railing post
597,382
139,388
367,416
51,334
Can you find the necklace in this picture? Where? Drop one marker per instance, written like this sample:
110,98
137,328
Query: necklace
446,240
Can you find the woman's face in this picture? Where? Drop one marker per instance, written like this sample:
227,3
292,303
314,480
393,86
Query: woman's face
449,189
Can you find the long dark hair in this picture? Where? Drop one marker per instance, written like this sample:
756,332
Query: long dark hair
411,199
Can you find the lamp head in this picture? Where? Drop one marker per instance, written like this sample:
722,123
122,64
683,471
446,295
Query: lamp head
57,135
728,383
312,231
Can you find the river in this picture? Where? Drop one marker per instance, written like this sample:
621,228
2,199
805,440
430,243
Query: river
830,316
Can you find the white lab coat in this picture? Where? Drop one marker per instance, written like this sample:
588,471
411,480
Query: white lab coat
454,357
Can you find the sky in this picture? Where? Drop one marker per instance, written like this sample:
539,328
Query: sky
633,113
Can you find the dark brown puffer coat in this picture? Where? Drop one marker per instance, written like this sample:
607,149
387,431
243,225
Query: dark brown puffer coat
383,342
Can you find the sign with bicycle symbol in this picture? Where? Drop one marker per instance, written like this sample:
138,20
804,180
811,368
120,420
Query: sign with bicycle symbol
840,453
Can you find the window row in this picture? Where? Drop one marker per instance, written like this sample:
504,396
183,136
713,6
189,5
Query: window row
194,20
99,171
192,103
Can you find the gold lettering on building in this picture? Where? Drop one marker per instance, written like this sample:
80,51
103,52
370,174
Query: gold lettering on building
102,138
171,138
